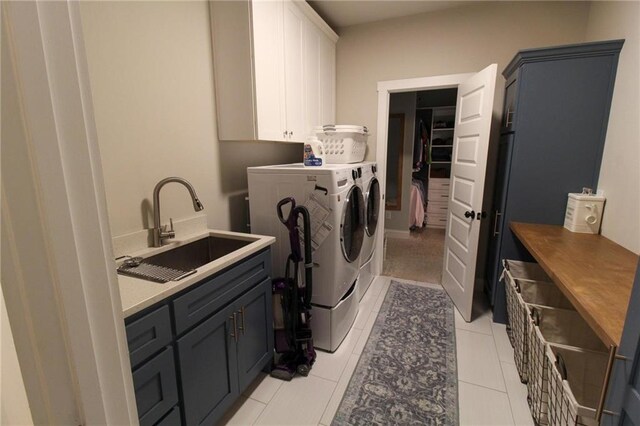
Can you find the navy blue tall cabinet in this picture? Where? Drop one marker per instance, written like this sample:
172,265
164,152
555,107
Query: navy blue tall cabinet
556,110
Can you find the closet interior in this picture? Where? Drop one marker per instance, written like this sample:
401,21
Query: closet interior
432,153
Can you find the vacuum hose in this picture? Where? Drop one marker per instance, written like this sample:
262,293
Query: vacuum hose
308,260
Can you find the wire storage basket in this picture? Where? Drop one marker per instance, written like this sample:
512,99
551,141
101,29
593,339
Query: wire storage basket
553,327
528,293
512,269
575,378
526,283
343,143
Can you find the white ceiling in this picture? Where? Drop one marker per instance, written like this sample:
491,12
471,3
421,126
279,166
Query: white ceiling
343,13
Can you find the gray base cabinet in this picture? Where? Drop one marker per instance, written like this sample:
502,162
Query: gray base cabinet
193,354
556,112
255,336
208,369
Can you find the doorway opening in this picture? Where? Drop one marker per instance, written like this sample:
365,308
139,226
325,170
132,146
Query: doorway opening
420,144
464,213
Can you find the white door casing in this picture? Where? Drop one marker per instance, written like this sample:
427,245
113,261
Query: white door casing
468,166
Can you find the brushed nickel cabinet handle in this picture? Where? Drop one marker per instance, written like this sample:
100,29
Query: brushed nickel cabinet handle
234,334
509,115
242,326
495,224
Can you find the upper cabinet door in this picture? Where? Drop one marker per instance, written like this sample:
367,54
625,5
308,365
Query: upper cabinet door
268,54
294,32
320,78
312,73
327,81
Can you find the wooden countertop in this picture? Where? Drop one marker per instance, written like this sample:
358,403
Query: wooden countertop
595,273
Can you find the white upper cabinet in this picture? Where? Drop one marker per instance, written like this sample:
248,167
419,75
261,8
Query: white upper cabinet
274,65
269,72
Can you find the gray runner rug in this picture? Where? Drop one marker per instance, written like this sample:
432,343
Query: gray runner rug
407,373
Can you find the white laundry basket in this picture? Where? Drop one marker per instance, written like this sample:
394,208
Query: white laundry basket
343,143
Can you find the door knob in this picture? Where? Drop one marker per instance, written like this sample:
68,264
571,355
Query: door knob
470,214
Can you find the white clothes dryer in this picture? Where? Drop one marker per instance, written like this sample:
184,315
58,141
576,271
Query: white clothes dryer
336,206
372,197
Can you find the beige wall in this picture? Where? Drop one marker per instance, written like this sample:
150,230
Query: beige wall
452,41
403,103
151,71
620,172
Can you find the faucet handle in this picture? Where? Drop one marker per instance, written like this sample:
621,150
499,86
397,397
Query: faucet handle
167,234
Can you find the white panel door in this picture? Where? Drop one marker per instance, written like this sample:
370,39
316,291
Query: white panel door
294,23
268,51
468,165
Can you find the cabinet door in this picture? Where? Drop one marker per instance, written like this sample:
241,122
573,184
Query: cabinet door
255,328
497,212
155,387
319,78
208,368
312,76
327,81
294,22
268,53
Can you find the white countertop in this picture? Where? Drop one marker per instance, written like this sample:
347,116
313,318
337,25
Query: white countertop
137,294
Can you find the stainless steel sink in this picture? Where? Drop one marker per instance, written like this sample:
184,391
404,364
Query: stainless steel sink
193,255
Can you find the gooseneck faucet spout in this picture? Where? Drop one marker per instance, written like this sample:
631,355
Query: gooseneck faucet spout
159,231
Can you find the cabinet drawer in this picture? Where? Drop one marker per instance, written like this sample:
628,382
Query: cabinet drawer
436,195
149,334
439,184
155,387
172,419
210,296
437,220
437,207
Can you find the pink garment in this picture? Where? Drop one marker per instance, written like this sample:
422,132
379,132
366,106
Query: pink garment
416,208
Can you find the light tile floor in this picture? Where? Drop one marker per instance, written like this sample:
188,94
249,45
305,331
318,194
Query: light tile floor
489,390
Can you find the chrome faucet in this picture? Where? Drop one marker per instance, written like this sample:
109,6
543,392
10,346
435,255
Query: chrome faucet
160,231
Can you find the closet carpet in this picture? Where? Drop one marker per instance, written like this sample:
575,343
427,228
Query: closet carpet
417,258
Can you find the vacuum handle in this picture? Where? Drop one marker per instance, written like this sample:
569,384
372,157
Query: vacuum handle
281,204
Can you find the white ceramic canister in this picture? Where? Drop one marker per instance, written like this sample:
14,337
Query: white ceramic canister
584,212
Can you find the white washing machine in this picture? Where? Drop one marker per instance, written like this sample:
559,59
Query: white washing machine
337,209
371,190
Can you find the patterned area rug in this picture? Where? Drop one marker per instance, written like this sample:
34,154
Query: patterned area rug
407,373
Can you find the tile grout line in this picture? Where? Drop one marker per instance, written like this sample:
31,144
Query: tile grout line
484,387
504,379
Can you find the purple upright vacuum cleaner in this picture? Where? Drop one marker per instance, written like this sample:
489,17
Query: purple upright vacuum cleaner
292,300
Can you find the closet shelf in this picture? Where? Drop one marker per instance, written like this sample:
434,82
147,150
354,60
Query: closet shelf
437,129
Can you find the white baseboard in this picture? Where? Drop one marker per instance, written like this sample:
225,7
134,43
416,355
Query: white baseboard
394,233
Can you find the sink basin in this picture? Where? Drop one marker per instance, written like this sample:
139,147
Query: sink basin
200,252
